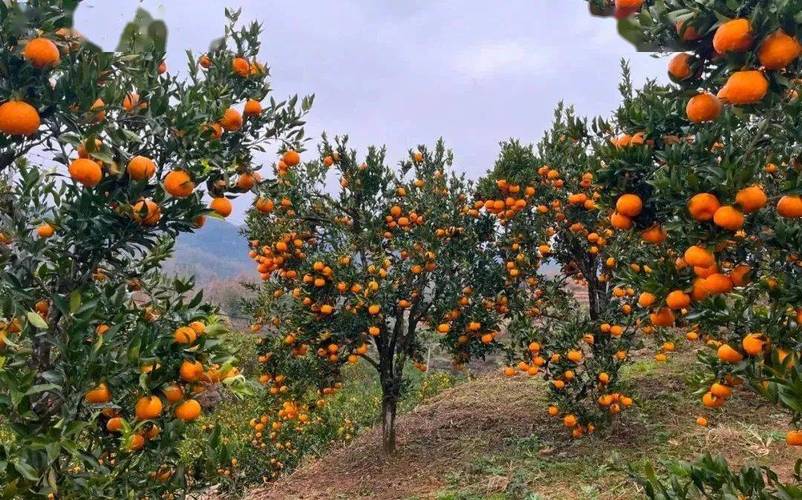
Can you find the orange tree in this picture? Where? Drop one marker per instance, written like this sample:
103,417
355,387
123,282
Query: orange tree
726,188
546,204
712,186
366,271
103,362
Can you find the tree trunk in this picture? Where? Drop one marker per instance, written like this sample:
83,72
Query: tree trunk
597,293
593,299
389,407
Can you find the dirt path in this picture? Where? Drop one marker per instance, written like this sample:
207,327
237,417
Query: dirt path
443,434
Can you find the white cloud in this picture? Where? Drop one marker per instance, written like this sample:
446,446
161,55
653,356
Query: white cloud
496,58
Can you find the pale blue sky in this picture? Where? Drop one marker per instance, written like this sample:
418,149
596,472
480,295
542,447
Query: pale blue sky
406,72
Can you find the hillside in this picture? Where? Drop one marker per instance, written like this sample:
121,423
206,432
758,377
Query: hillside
216,252
491,438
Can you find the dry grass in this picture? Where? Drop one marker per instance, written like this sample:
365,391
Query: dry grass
491,438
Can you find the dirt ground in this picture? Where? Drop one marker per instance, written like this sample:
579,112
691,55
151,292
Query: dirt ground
491,437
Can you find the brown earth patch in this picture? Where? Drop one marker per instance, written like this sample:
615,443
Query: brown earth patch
491,437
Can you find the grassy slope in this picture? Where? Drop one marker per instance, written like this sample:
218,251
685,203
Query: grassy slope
491,438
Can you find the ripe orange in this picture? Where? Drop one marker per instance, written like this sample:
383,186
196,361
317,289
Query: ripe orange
98,395
655,234
188,410
222,206
729,355
778,50
688,34
198,327
146,212
179,184
704,272
710,401
114,424
574,356
679,68
45,230
148,408
629,205
252,108
703,107
678,300
745,87
751,199
264,205
18,118
41,53
733,36
232,120
99,108
729,218
131,102
137,442
215,129
663,317
753,344
190,371
569,421
794,438
184,335
291,158
621,141
620,221
173,393
646,299
247,180
205,61
141,168
703,206
698,256
241,67
42,307
790,206
716,284
740,275
86,172
720,390
624,8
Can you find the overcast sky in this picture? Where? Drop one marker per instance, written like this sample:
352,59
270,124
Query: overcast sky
405,72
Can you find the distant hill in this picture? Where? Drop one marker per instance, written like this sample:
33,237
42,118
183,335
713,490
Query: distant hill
218,251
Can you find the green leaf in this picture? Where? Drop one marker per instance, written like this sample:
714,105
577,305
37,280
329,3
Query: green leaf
36,320
104,156
42,388
25,470
75,301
